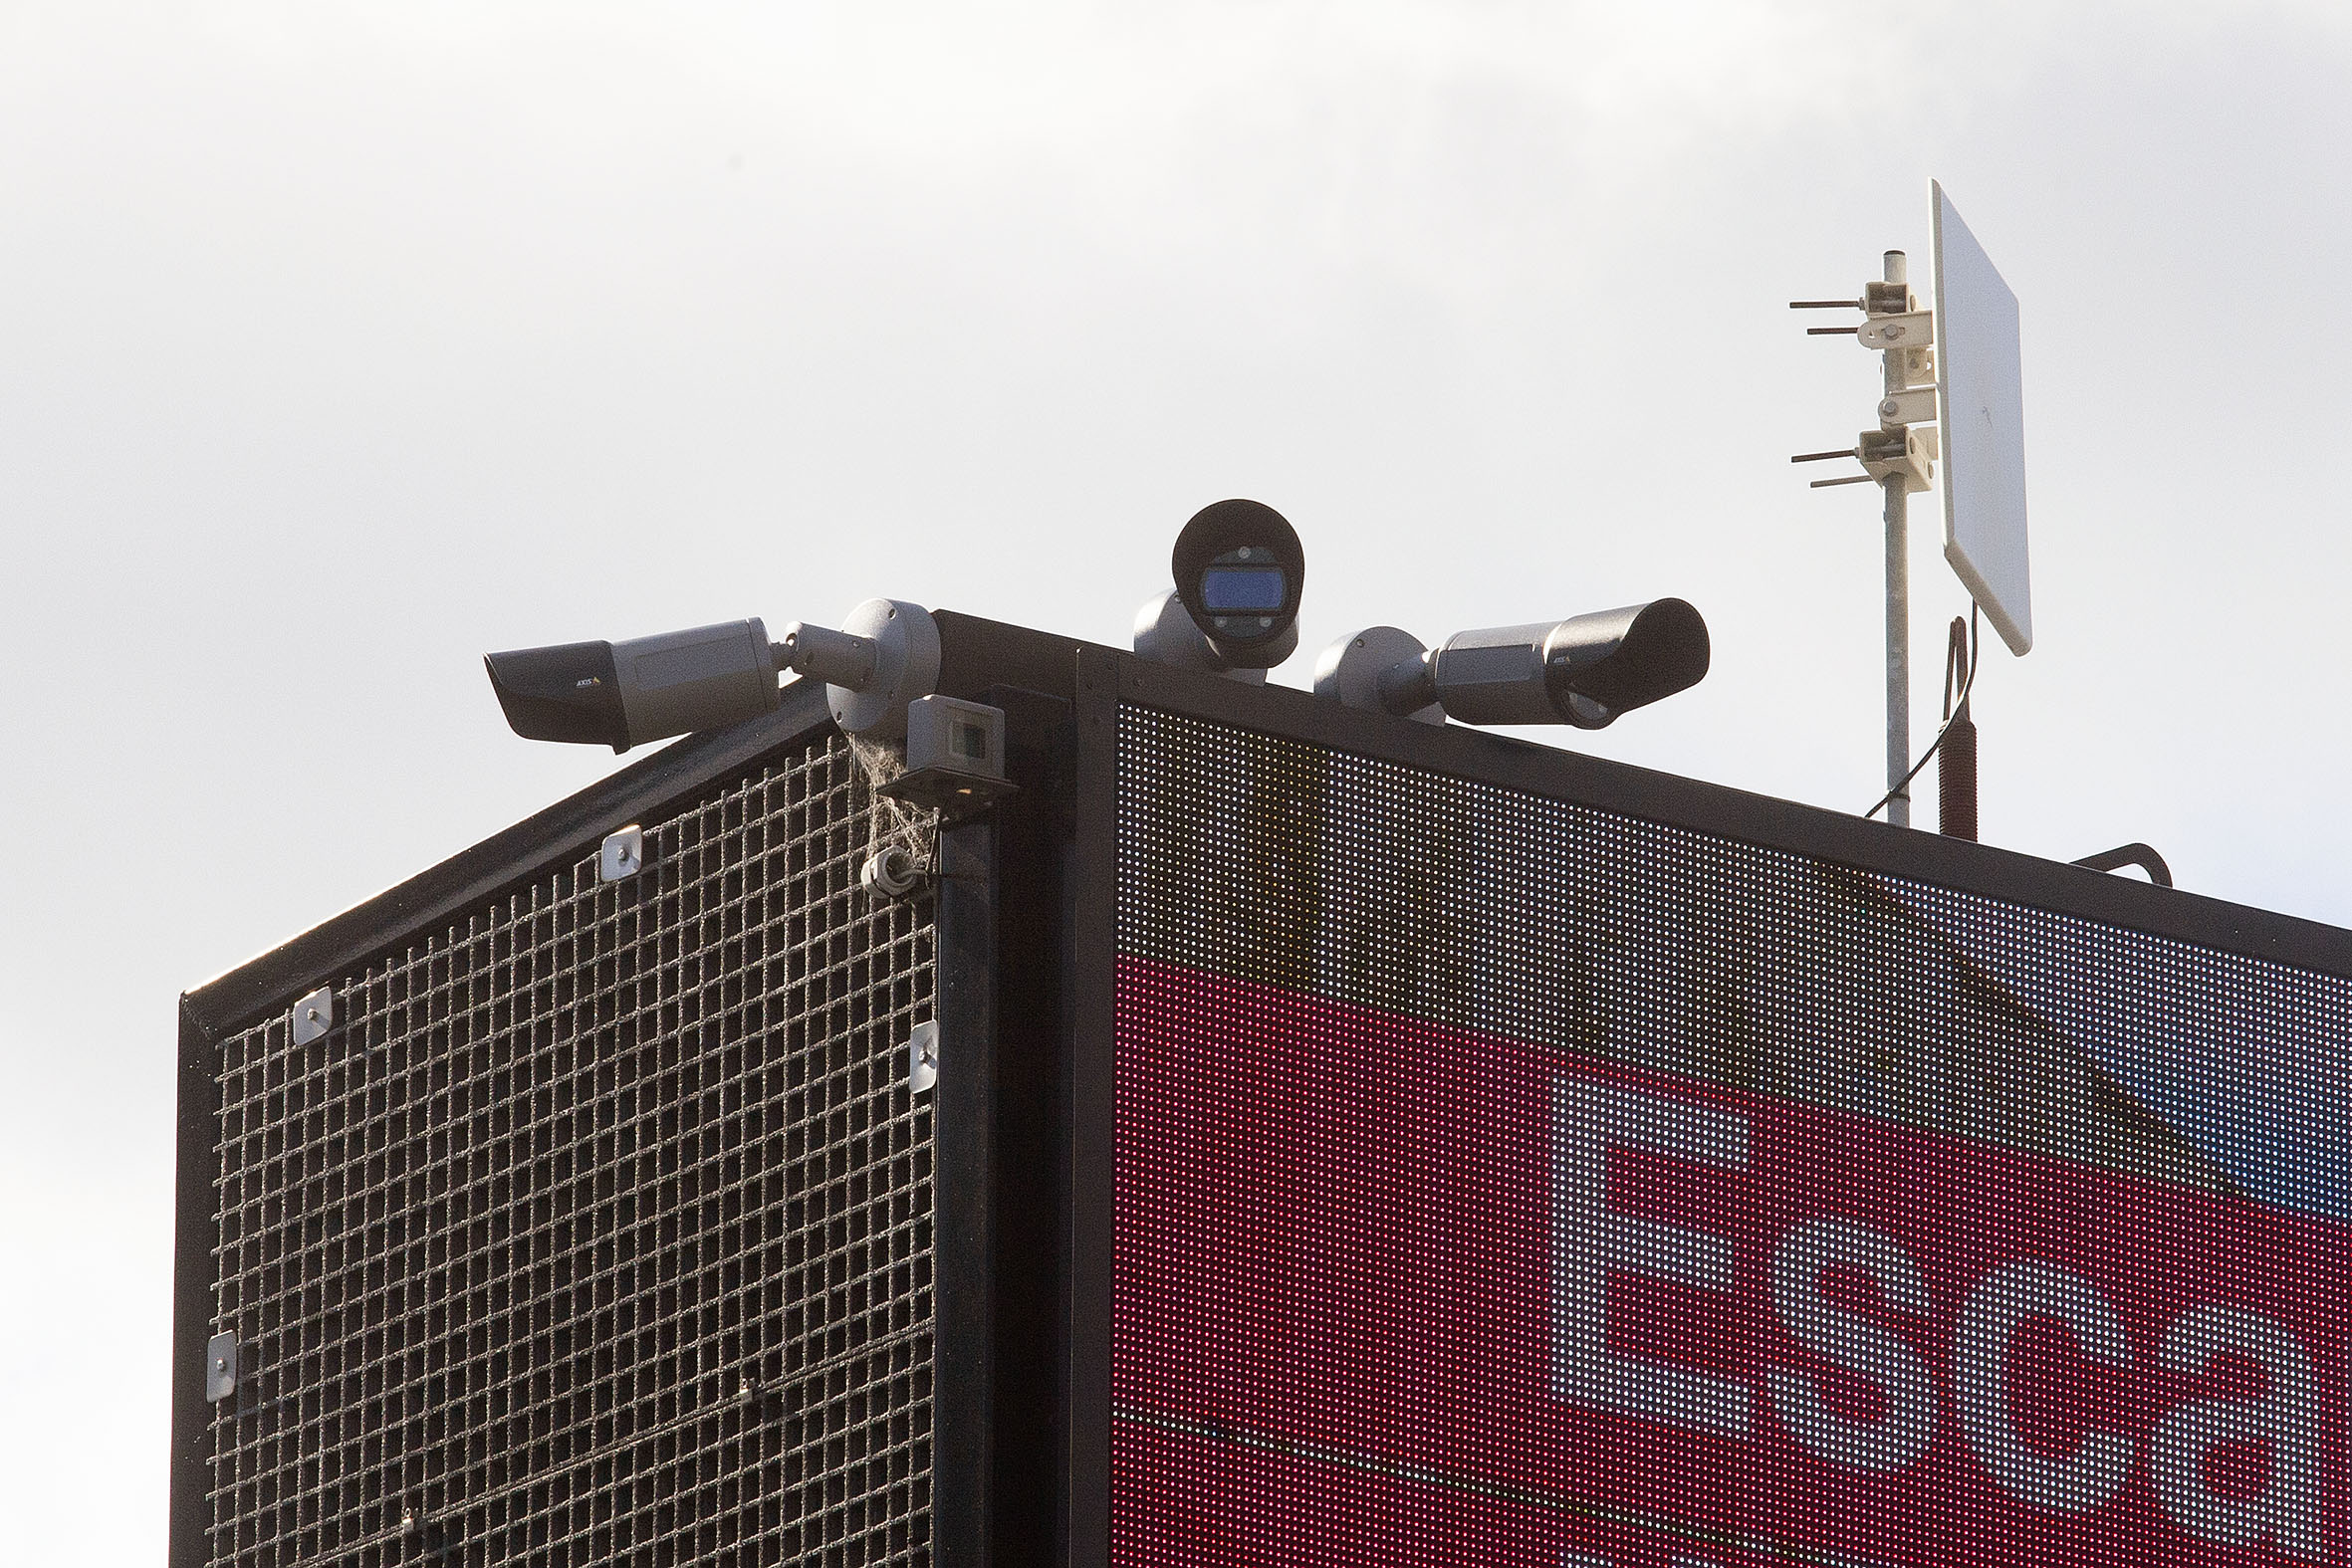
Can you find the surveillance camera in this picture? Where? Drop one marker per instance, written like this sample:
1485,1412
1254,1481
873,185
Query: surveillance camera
1240,571
1583,671
624,694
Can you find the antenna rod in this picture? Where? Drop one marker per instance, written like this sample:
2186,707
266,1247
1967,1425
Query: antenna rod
1898,601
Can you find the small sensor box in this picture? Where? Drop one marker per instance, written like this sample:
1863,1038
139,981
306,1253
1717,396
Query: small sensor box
955,755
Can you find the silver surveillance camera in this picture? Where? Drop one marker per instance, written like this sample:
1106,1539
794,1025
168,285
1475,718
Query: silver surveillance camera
1240,572
624,694
1583,671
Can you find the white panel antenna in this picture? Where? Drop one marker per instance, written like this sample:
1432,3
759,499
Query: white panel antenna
1952,392
1983,408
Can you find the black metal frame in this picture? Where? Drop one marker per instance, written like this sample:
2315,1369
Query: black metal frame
1026,946
963,1205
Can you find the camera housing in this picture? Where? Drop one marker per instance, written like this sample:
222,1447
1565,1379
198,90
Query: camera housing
624,694
1583,671
1240,574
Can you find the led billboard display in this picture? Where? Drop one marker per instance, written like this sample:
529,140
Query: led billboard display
1501,1181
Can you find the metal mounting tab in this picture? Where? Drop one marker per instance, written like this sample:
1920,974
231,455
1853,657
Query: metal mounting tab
1911,330
922,1056
314,1015
220,1368
621,855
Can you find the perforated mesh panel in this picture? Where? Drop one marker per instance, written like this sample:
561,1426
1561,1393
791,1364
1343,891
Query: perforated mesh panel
598,1229
1504,1180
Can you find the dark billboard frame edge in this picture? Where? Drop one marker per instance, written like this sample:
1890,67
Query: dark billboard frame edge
1089,1099
196,1235
1552,773
237,997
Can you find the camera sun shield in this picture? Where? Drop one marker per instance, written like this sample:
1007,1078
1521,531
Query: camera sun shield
1613,661
568,693
1240,572
624,694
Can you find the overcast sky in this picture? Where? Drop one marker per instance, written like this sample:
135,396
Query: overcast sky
341,344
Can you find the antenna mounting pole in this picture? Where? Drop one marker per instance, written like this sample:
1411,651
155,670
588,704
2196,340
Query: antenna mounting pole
1898,520
1899,458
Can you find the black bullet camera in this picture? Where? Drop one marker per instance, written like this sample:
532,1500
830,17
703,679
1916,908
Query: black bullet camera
1240,571
1583,671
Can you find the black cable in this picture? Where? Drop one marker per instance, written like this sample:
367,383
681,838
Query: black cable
2138,855
1958,661
1975,646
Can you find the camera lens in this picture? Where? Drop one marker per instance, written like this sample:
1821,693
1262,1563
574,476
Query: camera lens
1240,589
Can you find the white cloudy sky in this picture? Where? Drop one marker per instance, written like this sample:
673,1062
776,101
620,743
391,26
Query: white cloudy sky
339,344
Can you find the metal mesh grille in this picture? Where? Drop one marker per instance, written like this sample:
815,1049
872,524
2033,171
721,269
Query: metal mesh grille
598,1229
